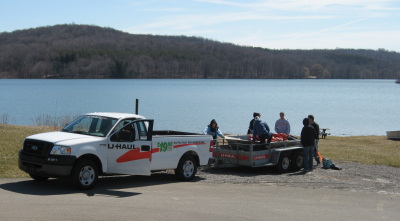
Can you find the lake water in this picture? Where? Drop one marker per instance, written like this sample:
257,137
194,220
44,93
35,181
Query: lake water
347,107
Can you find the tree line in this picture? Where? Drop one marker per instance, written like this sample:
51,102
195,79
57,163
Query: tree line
86,51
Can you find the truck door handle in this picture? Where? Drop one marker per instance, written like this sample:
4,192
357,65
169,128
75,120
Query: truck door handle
145,148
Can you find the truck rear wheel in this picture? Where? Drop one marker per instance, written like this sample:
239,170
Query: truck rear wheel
187,168
297,161
84,174
38,178
283,165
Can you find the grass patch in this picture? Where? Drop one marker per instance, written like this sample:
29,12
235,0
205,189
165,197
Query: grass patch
373,150
11,139
360,149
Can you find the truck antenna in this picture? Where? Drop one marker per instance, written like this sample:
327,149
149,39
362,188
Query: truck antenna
137,107
55,117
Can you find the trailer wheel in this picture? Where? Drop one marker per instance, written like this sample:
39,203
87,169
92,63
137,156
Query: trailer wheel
187,168
38,178
297,161
84,174
283,163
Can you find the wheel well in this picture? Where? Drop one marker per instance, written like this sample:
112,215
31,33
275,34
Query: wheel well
194,155
93,158
290,153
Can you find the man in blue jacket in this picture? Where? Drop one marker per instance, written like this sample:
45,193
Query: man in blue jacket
261,129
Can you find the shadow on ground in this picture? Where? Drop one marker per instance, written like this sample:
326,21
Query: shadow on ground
110,186
245,171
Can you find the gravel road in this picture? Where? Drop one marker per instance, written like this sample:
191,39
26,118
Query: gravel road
353,177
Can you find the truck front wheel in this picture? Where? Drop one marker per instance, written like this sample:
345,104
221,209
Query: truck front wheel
84,174
187,168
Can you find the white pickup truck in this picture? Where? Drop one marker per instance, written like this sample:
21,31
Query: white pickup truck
112,143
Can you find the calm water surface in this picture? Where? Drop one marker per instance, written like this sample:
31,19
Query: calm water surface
347,107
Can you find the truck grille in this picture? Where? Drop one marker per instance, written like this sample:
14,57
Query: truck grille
37,147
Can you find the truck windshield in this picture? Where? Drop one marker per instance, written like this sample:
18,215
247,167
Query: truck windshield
91,125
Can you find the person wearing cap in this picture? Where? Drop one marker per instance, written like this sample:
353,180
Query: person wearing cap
282,124
250,130
261,129
213,130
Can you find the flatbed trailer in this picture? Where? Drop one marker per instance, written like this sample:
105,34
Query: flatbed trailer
239,150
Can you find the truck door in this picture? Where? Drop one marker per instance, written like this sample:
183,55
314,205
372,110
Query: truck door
129,148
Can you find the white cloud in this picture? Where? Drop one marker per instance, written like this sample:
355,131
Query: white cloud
164,9
327,29
359,40
263,10
199,21
305,4
281,24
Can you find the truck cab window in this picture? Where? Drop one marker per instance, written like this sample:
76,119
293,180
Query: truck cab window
91,125
125,132
142,130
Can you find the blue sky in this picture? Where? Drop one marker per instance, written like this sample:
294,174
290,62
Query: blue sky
274,24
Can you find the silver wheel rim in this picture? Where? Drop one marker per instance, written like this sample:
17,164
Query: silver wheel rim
86,175
188,168
285,163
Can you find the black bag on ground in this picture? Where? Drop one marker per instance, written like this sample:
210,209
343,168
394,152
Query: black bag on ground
333,166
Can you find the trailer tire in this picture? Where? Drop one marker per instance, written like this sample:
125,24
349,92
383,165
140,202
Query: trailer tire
187,168
297,161
38,178
84,174
283,165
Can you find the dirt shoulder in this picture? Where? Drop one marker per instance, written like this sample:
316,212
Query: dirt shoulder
353,177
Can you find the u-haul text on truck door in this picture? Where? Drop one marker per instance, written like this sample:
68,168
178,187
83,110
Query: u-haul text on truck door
129,149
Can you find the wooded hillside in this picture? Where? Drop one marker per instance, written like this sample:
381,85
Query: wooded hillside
84,51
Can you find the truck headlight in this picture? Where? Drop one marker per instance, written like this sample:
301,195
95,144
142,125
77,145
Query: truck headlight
60,150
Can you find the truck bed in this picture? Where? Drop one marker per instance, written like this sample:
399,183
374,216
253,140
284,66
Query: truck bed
172,133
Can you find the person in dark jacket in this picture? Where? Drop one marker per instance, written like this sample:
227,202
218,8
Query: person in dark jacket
213,130
250,130
316,128
307,141
261,130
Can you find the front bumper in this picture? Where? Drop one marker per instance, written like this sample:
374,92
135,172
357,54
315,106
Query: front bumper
51,166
